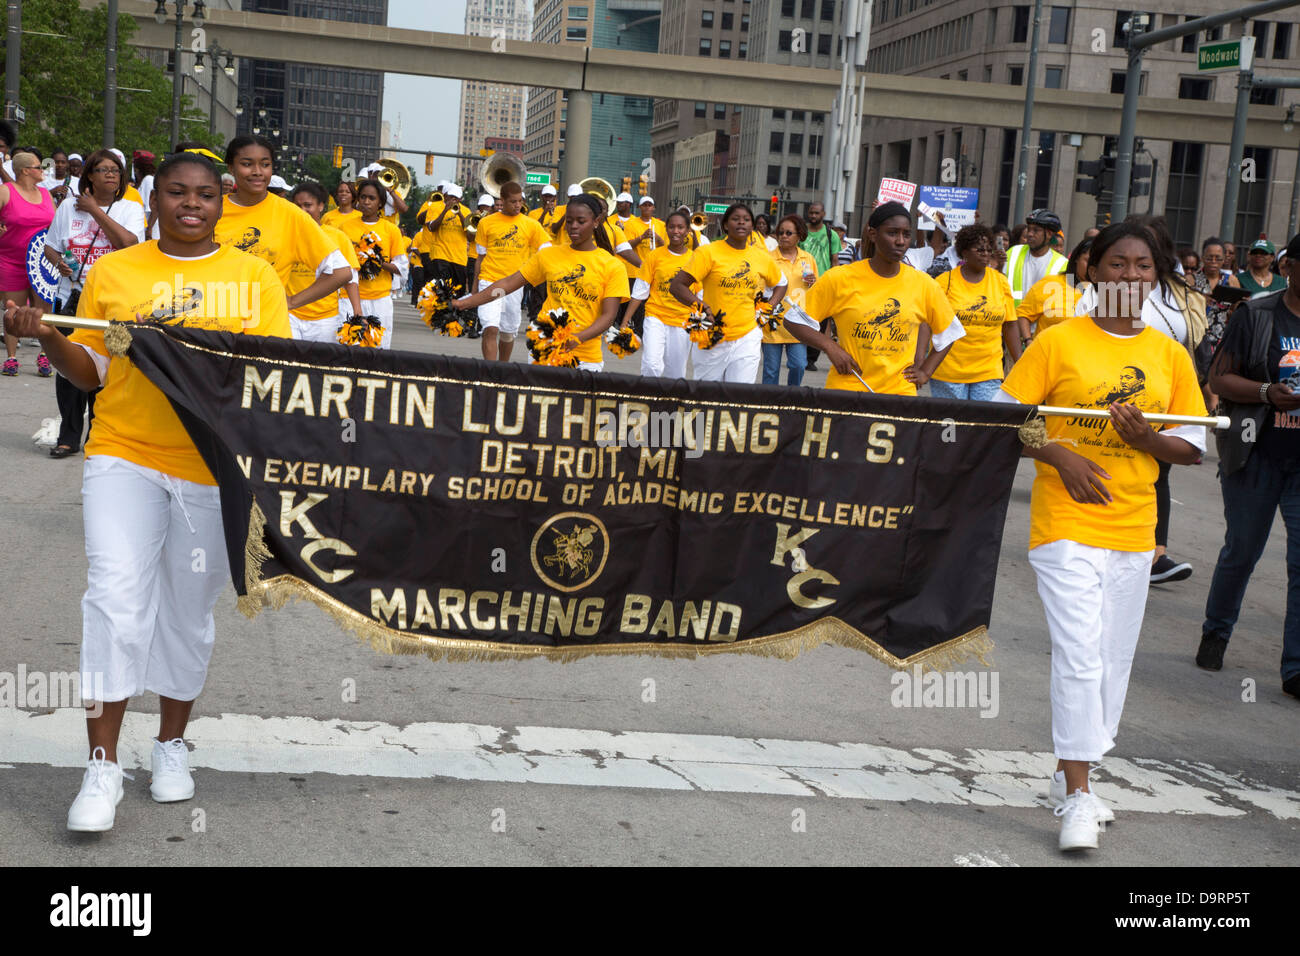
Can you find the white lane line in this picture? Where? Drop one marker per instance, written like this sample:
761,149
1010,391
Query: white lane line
656,761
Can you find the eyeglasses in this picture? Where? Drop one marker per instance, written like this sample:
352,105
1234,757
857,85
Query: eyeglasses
787,232
107,171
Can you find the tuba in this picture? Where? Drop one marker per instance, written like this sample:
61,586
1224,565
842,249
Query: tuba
600,188
394,177
499,169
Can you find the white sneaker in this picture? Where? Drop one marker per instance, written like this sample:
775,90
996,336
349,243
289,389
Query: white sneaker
1056,797
101,791
1080,825
171,771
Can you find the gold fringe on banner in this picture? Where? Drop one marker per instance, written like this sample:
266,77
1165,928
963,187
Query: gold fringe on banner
279,591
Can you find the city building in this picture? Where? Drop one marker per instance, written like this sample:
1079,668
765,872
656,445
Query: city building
620,125
1082,48
491,109
313,109
213,95
705,28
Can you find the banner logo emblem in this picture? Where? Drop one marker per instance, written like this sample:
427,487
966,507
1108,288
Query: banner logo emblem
569,551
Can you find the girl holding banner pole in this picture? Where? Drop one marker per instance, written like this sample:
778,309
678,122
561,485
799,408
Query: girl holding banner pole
583,278
154,538
1093,512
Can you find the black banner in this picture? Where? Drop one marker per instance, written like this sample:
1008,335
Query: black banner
481,510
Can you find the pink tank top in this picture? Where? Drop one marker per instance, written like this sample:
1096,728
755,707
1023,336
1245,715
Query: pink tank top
23,220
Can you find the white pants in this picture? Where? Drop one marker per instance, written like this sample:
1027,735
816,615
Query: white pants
316,330
735,361
592,366
157,565
503,312
1094,599
382,309
664,349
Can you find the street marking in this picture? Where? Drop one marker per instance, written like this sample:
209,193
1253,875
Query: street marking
993,858
246,743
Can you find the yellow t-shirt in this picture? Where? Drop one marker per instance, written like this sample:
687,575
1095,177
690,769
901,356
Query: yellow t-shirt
878,319
731,279
228,291
505,243
275,230
552,222
983,308
1078,364
375,243
336,216
133,194
1049,301
304,275
658,266
577,282
634,228
796,290
449,243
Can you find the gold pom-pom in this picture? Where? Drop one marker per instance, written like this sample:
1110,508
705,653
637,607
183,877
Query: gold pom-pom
363,331
622,342
117,339
435,305
703,332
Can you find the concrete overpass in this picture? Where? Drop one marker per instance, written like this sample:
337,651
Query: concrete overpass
583,71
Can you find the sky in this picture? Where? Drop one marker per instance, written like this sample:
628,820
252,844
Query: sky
427,107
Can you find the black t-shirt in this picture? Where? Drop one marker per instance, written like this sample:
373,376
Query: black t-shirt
1280,437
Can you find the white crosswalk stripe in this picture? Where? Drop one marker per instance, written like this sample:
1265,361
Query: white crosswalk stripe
637,759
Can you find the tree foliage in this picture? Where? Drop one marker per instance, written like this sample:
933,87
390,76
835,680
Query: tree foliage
63,85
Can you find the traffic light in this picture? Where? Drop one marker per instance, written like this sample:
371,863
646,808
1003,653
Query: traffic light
627,184
643,185
338,156
428,164
1102,172
1139,182
485,153
772,203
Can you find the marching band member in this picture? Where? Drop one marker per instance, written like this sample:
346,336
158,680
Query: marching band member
879,306
583,278
800,271
732,274
547,215
505,241
381,251
1093,513
273,228
149,502
449,244
981,297
346,197
643,233
319,321
622,209
665,346
1054,298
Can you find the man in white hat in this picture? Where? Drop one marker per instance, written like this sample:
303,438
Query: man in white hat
623,208
277,185
449,245
574,190
486,204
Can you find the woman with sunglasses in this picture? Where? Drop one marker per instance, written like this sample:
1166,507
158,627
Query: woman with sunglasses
25,209
800,271
92,225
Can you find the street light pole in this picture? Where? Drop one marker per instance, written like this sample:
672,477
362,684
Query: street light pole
110,77
13,59
1022,177
177,76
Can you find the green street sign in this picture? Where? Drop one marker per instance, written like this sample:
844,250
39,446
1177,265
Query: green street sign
1226,54
537,179
715,208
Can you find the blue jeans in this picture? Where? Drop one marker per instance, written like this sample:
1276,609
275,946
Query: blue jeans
974,391
796,360
1250,499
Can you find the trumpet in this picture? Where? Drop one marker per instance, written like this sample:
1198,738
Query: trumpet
471,227
699,221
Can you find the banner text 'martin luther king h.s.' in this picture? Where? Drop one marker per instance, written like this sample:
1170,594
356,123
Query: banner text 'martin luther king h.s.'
479,510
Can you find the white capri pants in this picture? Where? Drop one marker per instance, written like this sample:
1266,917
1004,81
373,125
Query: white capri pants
157,565
503,313
1094,599
317,330
665,349
382,309
735,361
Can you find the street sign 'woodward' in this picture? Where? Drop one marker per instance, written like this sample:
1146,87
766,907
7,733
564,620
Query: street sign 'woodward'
1226,54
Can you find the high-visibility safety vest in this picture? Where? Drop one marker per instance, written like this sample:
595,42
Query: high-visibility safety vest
1015,268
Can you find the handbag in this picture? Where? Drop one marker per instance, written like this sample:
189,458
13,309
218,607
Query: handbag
70,306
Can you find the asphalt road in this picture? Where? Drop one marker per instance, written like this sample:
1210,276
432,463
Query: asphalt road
732,760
